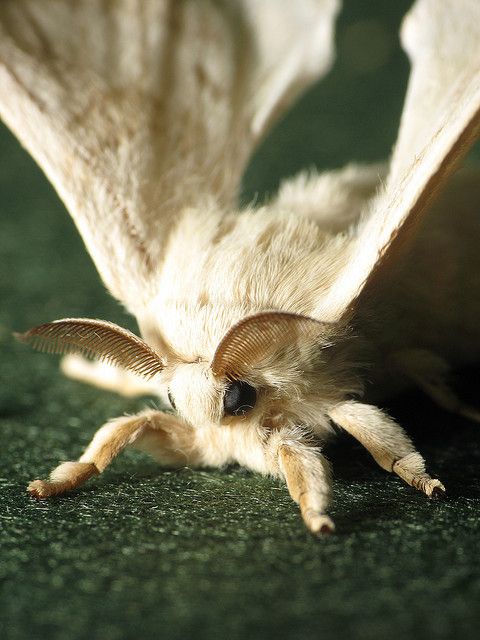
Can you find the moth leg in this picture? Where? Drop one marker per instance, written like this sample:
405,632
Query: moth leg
163,435
106,376
387,442
308,478
430,373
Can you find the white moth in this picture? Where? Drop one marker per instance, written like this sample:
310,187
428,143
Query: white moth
256,323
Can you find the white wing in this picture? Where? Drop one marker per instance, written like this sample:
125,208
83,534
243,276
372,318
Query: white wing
137,108
442,40
439,124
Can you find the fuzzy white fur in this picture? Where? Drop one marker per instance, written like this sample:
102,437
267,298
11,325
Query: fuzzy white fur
146,145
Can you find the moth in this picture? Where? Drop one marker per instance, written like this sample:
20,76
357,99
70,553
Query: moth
270,326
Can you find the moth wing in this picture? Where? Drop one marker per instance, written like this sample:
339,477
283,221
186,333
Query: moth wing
439,124
443,45
136,109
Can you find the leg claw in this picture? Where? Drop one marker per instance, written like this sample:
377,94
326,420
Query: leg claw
40,489
437,492
320,524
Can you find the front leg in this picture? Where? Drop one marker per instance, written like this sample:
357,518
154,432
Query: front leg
388,443
308,478
166,437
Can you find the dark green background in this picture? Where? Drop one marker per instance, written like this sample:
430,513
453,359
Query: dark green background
141,552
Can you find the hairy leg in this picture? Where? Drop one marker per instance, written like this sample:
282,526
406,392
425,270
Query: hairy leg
107,376
387,442
166,437
308,477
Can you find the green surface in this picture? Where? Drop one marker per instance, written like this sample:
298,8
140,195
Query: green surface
144,553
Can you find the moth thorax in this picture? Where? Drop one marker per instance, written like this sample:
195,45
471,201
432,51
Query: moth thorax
198,395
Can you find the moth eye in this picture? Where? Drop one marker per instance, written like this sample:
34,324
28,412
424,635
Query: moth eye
171,400
239,398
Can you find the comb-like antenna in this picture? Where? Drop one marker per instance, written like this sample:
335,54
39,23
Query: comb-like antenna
254,337
95,338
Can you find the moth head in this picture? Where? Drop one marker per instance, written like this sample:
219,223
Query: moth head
269,367
193,386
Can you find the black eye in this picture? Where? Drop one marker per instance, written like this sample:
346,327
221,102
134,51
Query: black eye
171,400
239,398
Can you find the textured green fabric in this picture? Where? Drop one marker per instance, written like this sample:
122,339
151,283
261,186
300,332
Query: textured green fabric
144,553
